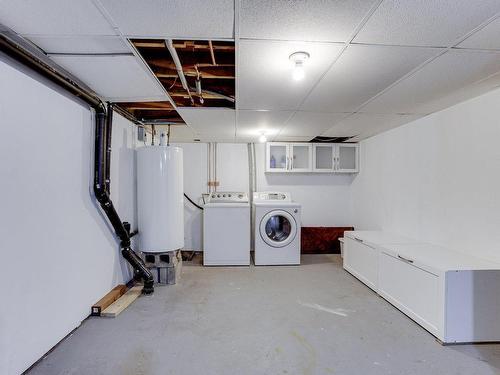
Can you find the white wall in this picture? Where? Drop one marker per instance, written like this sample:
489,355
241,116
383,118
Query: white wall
436,179
195,184
325,198
232,166
58,254
232,173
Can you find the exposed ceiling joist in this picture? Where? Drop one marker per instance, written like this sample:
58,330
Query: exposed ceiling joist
194,73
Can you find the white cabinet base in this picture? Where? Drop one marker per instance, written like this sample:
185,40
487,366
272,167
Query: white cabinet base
361,260
454,296
412,290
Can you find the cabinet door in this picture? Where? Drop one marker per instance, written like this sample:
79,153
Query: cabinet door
361,260
346,158
323,157
277,159
300,157
411,289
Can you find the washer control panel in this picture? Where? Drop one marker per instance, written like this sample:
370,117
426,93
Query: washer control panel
228,197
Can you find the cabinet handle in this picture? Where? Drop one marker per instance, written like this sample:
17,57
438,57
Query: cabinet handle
361,241
405,259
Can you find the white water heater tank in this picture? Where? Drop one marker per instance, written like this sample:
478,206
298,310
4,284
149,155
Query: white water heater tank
160,198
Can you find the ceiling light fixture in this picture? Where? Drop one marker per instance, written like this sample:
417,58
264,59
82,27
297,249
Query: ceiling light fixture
263,138
298,58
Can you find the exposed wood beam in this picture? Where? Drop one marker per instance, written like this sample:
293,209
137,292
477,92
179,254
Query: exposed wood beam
188,61
212,61
148,105
159,44
193,74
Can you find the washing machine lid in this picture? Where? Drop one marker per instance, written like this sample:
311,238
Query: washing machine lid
278,228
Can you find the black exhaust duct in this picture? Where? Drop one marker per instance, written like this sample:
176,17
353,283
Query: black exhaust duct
102,156
102,163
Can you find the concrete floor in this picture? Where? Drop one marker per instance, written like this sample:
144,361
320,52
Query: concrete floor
312,319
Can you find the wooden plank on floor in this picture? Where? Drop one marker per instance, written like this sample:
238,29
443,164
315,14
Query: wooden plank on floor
123,302
108,299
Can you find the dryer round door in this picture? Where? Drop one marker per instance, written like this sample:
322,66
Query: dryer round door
278,228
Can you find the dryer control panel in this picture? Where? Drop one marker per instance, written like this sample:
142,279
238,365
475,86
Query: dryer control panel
228,197
272,196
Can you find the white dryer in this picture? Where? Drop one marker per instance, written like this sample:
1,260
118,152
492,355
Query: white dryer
276,229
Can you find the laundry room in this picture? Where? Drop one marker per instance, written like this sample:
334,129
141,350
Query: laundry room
250,187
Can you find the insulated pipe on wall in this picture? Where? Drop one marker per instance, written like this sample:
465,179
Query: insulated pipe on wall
101,156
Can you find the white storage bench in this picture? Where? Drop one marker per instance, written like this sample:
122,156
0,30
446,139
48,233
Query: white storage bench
361,253
454,296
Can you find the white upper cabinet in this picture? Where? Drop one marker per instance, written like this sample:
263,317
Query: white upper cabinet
323,157
300,157
346,158
277,157
312,157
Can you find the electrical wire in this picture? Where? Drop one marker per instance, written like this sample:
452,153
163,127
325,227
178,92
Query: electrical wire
175,80
191,201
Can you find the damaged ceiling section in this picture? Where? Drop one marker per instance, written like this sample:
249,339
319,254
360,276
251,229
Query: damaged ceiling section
197,73
153,112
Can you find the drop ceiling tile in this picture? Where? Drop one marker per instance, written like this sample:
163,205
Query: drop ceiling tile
471,91
436,23
208,138
423,92
364,125
251,124
182,133
304,124
54,17
80,44
486,38
360,73
283,138
113,77
265,72
210,123
174,18
312,20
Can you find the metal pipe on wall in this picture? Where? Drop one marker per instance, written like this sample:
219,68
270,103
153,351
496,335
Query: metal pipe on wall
252,186
178,66
209,167
215,166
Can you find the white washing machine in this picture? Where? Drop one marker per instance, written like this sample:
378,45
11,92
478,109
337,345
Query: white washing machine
226,229
276,229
